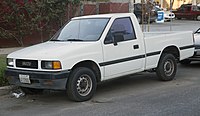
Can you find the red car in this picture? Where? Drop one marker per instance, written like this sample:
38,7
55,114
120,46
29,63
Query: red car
188,11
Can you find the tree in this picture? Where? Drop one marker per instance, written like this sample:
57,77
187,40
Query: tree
20,18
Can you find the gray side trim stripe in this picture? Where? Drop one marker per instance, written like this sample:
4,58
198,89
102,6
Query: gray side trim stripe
153,53
186,47
121,60
138,57
129,59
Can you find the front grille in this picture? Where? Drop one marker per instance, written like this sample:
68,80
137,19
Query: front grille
27,63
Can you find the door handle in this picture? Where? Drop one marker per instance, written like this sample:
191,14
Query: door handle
135,46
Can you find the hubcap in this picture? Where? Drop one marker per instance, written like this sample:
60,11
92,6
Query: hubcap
84,85
169,67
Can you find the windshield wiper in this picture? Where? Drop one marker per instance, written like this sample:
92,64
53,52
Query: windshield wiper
74,40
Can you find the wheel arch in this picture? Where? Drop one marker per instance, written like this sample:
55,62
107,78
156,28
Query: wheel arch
91,65
172,50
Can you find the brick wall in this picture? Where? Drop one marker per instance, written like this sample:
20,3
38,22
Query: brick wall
113,8
89,9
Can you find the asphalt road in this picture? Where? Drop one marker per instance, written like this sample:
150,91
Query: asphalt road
138,95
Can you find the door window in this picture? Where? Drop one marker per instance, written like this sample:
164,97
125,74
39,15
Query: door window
123,28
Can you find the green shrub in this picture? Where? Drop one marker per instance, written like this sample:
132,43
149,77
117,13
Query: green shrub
3,81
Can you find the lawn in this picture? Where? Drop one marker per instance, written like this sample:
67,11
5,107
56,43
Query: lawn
3,81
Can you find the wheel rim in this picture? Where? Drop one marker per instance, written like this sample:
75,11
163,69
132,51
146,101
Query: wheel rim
84,85
168,67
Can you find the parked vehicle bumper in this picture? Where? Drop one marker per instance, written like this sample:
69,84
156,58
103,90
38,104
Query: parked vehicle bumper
196,56
38,79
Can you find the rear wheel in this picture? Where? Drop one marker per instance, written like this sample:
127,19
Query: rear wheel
81,85
167,67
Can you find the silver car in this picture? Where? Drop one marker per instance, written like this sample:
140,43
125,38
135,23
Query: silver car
196,56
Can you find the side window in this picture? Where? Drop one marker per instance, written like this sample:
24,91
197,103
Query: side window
121,28
182,8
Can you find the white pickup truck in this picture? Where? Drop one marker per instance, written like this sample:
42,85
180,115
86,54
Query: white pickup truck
91,49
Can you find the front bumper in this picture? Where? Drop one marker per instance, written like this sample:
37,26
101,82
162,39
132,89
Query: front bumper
39,79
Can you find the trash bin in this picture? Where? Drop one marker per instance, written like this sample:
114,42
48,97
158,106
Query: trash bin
160,17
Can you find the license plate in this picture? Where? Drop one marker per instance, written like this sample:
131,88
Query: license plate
24,78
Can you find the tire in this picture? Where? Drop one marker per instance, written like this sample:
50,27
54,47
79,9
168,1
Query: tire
31,90
81,85
178,18
185,62
198,18
167,67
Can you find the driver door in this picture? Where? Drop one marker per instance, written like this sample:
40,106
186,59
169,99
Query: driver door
126,55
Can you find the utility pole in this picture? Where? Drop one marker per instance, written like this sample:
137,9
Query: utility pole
143,15
131,9
170,18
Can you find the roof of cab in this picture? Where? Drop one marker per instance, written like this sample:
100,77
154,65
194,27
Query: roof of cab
102,16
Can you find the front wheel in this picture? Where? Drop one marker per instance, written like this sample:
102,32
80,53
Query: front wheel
167,67
81,85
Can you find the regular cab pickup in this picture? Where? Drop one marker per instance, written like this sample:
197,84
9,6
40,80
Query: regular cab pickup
91,49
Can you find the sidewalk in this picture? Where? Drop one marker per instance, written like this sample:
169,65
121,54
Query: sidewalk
9,50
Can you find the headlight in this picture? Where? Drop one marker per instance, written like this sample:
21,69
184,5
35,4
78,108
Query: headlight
10,62
51,65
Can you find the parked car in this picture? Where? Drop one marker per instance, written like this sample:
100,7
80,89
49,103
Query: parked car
196,56
188,11
168,15
148,15
95,48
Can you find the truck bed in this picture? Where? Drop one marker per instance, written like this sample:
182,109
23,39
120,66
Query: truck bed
150,34
180,39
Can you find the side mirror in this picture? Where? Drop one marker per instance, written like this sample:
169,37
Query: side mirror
117,38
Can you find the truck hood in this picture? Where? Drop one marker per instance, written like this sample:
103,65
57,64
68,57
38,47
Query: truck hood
48,50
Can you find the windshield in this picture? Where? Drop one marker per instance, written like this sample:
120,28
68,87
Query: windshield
81,30
157,9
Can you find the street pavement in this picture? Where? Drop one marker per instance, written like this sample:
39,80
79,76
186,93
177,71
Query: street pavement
137,95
